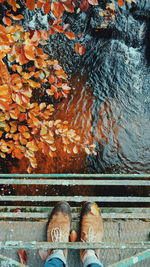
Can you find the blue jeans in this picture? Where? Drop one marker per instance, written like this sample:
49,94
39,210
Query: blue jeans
59,263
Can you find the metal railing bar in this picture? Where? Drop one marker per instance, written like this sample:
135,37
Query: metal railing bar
37,215
132,260
73,245
74,182
74,198
77,175
10,262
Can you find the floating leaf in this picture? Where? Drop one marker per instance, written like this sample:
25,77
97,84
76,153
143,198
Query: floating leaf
47,7
61,74
80,49
84,5
121,3
93,2
22,253
18,17
70,35
7,21
57,9
30,4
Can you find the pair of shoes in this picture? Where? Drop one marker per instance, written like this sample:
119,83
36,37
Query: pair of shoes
91,226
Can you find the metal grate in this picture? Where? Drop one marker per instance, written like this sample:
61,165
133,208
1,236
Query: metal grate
115,215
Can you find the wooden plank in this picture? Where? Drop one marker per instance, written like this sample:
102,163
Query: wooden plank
45,215
41,209
73,245
73,199
4,260
132,260
74,182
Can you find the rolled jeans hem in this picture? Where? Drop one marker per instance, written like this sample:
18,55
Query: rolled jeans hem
92,259
57,255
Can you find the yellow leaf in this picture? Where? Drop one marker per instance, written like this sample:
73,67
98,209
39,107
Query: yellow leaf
94,210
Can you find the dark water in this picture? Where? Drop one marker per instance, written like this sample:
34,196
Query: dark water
117,65
110,102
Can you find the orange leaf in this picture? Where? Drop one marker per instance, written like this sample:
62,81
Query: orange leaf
36,36
29,52
39,4
79,49
70,35
57,9
47,7
58,28
51,31
30,4
44,35
61,74
68,6
121,3
51,79
32,146
4,90
22,117
7,21
26,135
73,236
23,128
17,153
7,128
18,17
93,2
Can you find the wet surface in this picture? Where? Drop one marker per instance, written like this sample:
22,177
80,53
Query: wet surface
110,99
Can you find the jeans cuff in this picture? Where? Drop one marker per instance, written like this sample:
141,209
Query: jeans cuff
59,255
90,260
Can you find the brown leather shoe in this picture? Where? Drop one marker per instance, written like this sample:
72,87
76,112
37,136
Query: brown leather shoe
91,226
59,224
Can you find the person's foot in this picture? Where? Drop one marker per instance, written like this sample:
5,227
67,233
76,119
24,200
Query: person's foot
58,229
91,228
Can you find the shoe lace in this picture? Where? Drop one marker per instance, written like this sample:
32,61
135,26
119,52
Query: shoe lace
89,237
56,234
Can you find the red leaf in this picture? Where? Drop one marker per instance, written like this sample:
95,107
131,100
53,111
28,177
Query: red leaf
17,210
39,4
80,49
30,4
22,255
84,5
47,7
70,35
93,2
